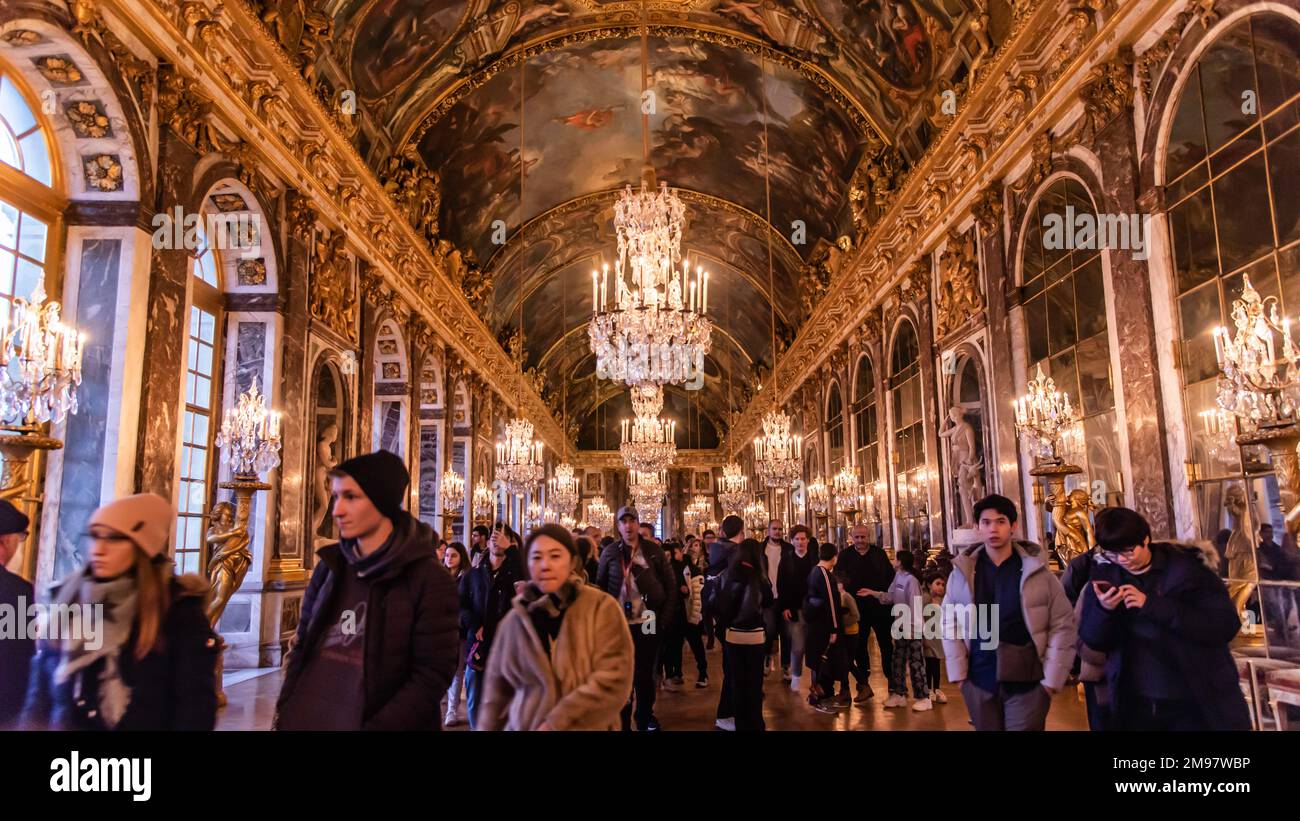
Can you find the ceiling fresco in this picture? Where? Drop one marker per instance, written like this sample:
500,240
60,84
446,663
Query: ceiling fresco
495,95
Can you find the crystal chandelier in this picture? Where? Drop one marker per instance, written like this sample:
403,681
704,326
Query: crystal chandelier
568,522
533,515
650,325
250,435
1220,434
697,514
846,490
819,496
1042,414
453,493
562,489
519,458
778,456
48,357
733,488
648,442
483,501
1255,384
647,489
599,514
755,514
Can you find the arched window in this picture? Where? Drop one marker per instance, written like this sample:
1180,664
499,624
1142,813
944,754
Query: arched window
835,427
29,217
1230,174
202,399
911,482
1065,316
866,435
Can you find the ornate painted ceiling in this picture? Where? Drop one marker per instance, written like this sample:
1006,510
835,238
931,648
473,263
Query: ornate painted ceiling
480,90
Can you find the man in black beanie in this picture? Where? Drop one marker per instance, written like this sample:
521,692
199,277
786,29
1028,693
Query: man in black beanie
377,636
15,595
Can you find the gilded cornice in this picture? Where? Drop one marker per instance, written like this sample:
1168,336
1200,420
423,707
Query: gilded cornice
260,95
613,460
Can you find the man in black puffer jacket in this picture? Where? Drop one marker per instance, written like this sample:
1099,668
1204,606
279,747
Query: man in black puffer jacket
377,639
1163,617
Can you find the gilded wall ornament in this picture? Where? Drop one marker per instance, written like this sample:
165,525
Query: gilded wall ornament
103,172
333,301
416,190
1151,63
59,70
88,119
987,209
958,297
252,271
302,217
228,201
23,37
183,109
1107,93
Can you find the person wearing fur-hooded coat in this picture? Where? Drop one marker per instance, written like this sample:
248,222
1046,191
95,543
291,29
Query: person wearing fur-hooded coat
1165,624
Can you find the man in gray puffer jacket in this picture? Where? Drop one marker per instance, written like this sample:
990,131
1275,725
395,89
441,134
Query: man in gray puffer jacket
1005,587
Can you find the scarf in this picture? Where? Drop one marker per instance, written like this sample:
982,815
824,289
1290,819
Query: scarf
116,600
546,610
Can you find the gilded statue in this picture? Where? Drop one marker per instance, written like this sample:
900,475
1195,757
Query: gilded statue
325,462
1074,533
1240,554
229,555
967,463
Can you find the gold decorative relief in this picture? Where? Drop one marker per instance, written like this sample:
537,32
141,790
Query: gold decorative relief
103,172
958,297
88,119
252,271
333,301
59,70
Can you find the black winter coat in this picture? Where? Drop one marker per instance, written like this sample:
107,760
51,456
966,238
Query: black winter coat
873,571
1192,604
821,606
485,598
743,594
411,640
174,687
792,581
15,654
656,582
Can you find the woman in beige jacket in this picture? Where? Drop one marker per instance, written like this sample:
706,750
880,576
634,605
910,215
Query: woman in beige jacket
562,658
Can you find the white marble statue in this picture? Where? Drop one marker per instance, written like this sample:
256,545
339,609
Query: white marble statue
966,460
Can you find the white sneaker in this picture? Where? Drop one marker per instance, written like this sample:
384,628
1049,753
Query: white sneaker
728,724
895,700
922,705
450,719
938,696
794,684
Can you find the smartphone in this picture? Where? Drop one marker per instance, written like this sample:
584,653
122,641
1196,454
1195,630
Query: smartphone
1103,588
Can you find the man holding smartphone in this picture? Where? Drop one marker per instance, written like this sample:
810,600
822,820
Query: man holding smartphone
1163,617
1008,686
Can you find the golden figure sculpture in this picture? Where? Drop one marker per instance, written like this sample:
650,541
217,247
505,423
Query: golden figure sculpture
1240,555
1074,533
325,462
229,555
331,293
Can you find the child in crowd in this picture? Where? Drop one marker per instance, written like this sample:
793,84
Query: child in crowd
933,590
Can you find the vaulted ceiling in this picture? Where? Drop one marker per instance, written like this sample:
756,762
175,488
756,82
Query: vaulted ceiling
480,89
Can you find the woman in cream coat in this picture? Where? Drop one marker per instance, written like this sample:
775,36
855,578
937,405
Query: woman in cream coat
562,657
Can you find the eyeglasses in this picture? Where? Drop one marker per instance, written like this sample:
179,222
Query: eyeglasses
1115,555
